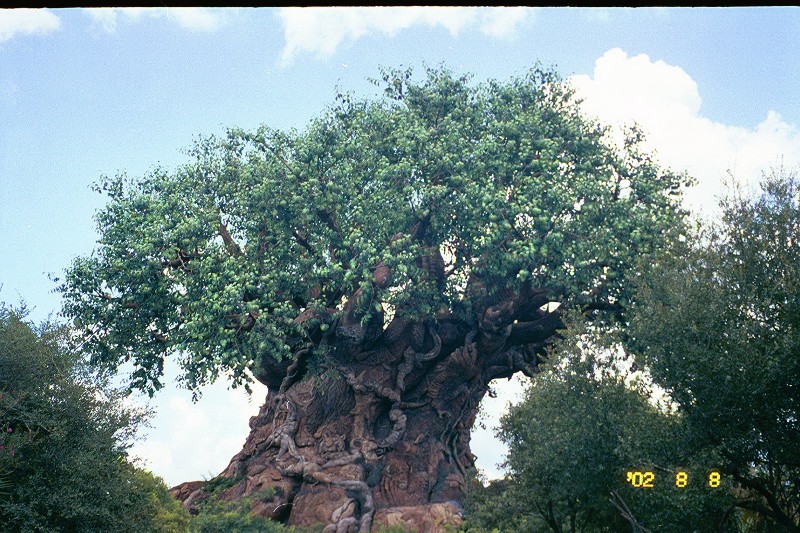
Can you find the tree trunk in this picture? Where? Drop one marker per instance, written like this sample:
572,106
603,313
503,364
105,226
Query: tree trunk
380,432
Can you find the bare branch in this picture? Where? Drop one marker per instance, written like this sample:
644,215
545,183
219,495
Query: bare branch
230,244
617,501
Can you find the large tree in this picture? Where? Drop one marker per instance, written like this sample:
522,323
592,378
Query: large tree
376,271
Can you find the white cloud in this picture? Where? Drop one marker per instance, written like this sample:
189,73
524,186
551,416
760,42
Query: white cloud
501,23
155,454
26,22
104,17
192,441
489,450
664,100
189,18
195,18
320,31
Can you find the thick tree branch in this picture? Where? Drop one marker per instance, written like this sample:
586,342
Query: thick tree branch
522,306
352,329
182,261
774,511
235,321
535,331
299,237
270,371
420,228
506,363
231,245
329,219
296,369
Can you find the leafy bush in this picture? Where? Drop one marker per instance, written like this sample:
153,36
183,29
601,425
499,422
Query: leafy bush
63,448
223,516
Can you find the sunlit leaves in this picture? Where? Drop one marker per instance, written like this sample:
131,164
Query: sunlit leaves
215,260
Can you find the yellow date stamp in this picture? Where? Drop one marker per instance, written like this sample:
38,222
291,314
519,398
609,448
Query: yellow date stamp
647,479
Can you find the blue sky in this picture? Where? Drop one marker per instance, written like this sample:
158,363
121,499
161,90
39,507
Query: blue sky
90,92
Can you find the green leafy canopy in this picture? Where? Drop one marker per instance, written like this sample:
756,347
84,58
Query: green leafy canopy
215,261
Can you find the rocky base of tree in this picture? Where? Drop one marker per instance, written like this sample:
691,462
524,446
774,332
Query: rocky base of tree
379,435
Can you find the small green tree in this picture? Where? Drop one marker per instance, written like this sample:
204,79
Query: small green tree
583,424
718,326
495,506
65,437
164,513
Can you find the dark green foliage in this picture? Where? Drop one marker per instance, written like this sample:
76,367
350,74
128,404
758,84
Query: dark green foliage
66,432
718,326
218,515
216,260
584,423
496,508
219,484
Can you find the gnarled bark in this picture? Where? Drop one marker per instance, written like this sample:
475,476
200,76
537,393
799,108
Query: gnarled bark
382,431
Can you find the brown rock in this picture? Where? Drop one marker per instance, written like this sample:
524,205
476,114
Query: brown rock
184,490
430,518
317,504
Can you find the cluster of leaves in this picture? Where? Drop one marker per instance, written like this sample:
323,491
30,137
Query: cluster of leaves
63,456
715,329
6,452
491,507
69,431
164,513
216,260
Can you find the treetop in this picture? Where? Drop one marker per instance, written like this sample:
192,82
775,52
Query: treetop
434,198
